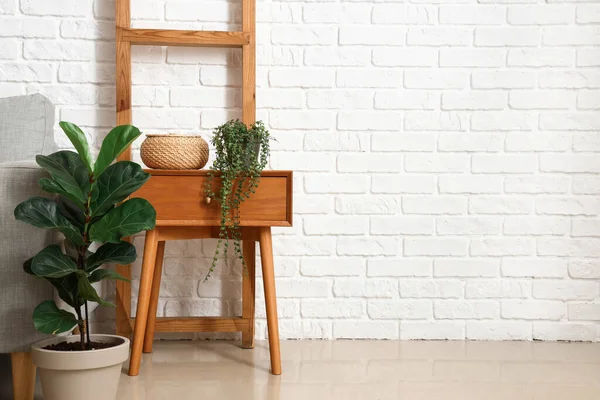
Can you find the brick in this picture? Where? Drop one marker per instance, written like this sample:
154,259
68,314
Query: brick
438,205
451,57
208,56
194,307
367,205
534,268
485,268
571,36
367,246
538,141
336,184
574,79
478,142
544,99
336,13
503,79
303,35
343,56
503,121
500,205
492,288
435,247
568,163
569,247
569,332
588,99
585,227
434,121
335,225
399,268
435,79
403,14
405,142
463,184
9,49
288,288
405,57
533,309
372,35
498,330
220,76
466,309
371,288
373,162
86,73
400,309
588,57
404,225
507,164
540,15
308,246
534,226
427,36
577,121
432,330
369,120
427,288
502,247
440,163
300,161
586,185
12,89
331,308
344,99
565,290
301,78
474,100
279,98
568,206
468,226
407,100
304,329
8,6
365,330
87,30
313,204
541,57
472,15
411,184
588,14
60,8
513,36
584,269
317,266
66,94
147,74
67,50
584,312
193,11
291,119
369,78
204,97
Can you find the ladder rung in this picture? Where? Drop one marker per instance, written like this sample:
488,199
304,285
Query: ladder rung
169,37
202,324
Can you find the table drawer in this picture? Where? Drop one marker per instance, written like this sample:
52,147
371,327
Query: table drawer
179,199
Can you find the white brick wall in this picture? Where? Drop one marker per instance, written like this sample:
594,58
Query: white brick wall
445,153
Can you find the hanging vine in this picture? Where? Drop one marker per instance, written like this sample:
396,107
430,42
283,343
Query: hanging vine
241,155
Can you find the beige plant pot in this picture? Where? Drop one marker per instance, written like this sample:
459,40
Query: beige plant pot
78,375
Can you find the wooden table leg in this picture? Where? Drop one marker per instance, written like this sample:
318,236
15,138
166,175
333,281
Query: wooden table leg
158,267
249,291
23,376
123,303
141,316
268,271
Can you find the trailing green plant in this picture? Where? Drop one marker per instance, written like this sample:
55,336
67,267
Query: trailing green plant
242,153
85,210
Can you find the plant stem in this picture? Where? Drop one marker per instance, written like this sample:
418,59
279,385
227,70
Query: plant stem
81,325
87,326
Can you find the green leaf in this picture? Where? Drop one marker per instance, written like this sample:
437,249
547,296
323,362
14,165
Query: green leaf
52,263
101,274
77,137
116,183
73,213
87,292
121,253
66,288
48,318
70,176
43,213
117,140
131,217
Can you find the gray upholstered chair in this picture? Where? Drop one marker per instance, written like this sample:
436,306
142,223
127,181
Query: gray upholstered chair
26,129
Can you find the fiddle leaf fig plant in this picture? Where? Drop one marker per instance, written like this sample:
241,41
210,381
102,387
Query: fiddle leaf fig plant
90,206
242,152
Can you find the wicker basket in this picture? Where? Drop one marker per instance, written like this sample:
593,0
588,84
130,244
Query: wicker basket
174,152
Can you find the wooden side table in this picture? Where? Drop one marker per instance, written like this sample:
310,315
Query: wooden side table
182,213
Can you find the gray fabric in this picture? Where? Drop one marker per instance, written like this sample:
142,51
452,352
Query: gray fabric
19,293
26,127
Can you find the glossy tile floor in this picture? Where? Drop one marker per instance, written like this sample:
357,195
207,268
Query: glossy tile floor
369,370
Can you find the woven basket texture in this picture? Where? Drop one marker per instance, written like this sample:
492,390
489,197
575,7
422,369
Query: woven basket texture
174,152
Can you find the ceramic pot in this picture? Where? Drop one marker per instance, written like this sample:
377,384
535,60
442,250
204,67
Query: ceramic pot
77,375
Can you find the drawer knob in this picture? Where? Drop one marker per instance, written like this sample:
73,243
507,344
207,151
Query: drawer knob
207,200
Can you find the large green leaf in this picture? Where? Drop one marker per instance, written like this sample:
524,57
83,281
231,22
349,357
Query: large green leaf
122,253
52,263
87,292
66,288
131,217
70,178
73,213
43,213
101,274
117,140
116,183
48,318
77,137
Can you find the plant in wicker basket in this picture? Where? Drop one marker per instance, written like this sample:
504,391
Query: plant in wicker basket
241,155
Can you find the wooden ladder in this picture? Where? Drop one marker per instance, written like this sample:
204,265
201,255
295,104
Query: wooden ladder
127,37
